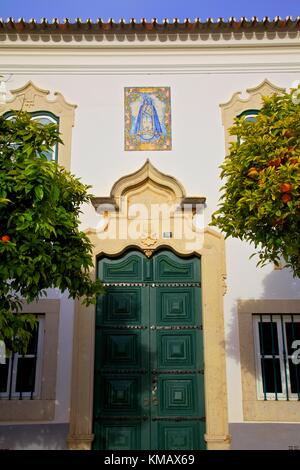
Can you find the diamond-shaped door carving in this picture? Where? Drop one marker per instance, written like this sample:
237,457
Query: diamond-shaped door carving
120,305
121,394
175,306
176,350
121,349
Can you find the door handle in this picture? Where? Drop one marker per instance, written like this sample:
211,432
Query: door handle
154,398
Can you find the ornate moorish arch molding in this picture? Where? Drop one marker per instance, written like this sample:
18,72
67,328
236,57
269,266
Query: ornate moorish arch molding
237,105
31,98
155,201
149,186
151,176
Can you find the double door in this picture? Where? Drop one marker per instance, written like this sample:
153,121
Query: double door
149,377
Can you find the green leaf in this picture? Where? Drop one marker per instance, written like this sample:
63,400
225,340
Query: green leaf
39,192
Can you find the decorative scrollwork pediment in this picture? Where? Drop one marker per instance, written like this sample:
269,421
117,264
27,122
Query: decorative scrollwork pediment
147,209
146,185
237,105
33,99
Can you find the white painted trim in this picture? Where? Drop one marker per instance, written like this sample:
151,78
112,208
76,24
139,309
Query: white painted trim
183,51
100,69
276,56
44,116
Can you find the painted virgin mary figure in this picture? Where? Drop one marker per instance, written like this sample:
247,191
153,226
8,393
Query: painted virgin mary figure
147,124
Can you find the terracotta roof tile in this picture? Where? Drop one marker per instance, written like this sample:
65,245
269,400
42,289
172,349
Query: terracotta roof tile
145,26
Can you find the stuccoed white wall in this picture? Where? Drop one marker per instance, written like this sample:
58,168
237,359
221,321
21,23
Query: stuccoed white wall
199,83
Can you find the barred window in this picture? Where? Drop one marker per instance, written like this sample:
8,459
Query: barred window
277,348
20,376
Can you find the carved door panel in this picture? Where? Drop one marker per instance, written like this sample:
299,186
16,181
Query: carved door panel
149,391
177,414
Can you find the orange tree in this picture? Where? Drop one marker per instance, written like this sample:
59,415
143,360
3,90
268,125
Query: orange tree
41,245
260,198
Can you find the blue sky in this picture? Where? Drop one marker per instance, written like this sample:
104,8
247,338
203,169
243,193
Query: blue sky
148,9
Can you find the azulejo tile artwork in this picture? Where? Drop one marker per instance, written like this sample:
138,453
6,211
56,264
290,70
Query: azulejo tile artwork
148,118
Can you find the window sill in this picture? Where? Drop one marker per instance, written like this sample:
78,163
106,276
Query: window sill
271,410
291,398
26,410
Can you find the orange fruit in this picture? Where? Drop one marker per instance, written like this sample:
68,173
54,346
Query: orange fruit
289,133
285,188
252,172
286,198
5,238
275,162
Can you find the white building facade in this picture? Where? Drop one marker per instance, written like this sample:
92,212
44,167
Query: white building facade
214,72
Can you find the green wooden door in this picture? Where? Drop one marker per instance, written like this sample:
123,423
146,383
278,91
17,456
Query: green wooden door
149,385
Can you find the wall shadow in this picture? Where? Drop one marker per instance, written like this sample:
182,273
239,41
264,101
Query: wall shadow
34,436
